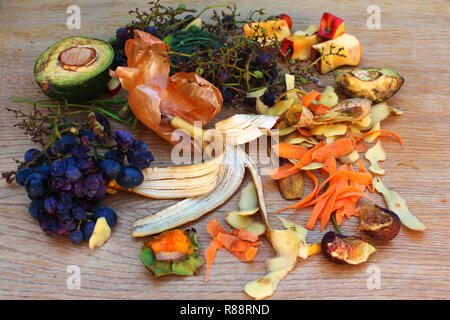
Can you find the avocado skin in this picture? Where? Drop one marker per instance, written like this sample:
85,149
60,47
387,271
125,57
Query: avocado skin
84,91
80,91
377,90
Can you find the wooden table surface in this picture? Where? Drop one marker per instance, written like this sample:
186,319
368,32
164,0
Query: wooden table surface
413,40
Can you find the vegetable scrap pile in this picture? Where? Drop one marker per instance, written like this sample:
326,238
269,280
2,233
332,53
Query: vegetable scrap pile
240,55
319,133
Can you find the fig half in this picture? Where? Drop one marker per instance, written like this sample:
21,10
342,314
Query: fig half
342,249
378,222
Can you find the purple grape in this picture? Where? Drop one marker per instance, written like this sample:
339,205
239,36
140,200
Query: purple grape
227,95
70,224
115,155
44,169
49,225
122,33
110,169
22,175
80,151
130,177
139,159
85,164
50,204
88,228
73,174
64,205
264,60
79,213
36,184
71,161
139,145
57,184
88,133
76,237
65,144
78,190
35,208
124,140
95,186
120,61
152,30
223,76
108,213
58,168
31,154
268,98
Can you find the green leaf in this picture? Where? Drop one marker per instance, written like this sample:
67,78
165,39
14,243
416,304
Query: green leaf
188,266
303,80
161,268
147,257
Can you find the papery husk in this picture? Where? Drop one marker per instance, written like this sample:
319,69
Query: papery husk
152,93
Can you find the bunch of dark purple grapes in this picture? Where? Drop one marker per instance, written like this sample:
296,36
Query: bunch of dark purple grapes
67,184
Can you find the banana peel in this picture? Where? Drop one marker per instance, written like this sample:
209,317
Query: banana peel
178,182
230,179
242,128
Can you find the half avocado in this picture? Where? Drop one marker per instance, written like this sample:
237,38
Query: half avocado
374,84
74,69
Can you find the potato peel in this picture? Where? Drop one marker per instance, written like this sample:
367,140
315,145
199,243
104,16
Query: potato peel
373,136
286,245
248,201
398,205
300,233
374,155
329,130
249,223
101,233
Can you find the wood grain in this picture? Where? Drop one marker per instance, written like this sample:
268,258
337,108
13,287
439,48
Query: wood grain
413,40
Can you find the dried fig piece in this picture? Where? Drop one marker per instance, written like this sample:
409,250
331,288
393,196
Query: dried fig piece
378,222
345,249
292,187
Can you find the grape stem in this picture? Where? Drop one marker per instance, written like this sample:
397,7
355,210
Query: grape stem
81,106
335,224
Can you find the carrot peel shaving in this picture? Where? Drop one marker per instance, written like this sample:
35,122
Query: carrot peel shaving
386,133
241,243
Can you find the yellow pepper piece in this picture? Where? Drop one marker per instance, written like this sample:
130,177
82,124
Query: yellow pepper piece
270,29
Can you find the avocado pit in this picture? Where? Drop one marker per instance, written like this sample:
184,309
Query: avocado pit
76,57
